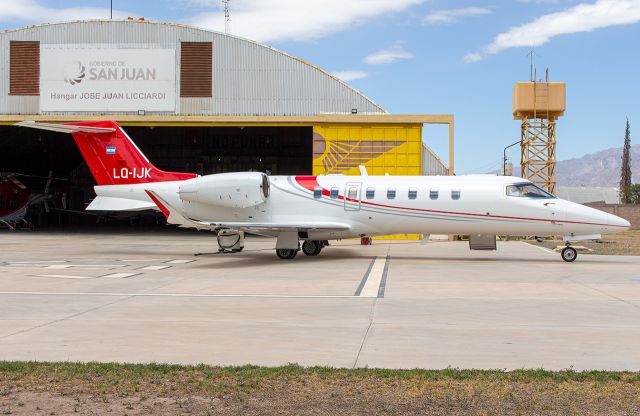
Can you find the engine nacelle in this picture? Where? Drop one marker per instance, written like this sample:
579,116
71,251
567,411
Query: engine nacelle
232,190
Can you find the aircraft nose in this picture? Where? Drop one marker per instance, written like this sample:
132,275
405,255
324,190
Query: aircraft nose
618,222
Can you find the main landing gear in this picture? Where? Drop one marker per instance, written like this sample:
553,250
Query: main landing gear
312,247
569,253
286,254
309,248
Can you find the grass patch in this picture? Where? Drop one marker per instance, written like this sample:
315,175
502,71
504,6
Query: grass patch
293,389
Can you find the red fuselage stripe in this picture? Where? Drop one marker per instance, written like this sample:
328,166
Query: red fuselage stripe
310,183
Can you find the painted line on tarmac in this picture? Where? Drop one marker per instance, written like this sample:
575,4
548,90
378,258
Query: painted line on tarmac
373,279
71,276
84,266
383,282
120,275
181,295
179,261
154,268
142,260
66,276
364,278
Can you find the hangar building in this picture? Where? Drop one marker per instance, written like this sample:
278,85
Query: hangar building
193,100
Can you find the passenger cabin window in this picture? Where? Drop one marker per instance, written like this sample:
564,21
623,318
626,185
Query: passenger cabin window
413,193
317,192
527,190
391,193
371,193
433,193
352,193
455,194
334,192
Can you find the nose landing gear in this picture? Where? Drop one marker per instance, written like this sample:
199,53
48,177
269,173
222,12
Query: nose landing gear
569,253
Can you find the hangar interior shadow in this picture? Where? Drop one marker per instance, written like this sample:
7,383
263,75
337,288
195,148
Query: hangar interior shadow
203,150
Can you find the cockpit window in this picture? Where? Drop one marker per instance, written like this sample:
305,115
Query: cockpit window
527,190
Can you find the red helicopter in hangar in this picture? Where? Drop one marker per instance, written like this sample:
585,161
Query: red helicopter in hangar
15,199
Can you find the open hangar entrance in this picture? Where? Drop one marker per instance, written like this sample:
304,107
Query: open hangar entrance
204,150
37,154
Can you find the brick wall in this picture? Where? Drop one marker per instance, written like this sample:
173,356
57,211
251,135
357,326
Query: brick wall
630,213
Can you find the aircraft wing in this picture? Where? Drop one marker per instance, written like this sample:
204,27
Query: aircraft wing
175,217
274,226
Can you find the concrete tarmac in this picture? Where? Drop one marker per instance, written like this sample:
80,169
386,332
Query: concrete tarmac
145,297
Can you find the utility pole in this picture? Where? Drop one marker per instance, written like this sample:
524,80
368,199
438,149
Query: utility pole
504,158
625,171
111,9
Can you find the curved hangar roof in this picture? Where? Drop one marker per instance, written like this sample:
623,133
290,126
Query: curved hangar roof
247,78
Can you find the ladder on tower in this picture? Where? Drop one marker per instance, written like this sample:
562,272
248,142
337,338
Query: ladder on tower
541,100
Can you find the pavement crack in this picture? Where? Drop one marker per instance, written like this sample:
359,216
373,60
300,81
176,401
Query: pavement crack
372,313
55,321
366,334
602,292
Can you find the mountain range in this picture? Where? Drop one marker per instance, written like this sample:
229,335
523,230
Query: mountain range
598,169
595,169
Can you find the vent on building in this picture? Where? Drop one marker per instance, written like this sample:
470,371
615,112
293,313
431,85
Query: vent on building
24,68
196,69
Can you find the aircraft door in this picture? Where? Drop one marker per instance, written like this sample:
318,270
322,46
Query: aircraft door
352,194
555,211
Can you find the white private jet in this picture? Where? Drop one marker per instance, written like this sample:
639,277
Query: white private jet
316,209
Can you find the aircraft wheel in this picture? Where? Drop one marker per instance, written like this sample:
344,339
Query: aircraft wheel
286,254
569,254
311,247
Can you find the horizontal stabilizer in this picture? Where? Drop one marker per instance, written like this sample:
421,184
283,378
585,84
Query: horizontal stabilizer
64,128
107,203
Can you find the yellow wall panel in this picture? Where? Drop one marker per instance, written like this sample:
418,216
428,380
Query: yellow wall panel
414,160
382,149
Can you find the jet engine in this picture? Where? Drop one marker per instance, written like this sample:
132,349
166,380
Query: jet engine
232,190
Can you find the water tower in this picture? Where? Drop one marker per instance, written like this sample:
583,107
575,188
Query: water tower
538,105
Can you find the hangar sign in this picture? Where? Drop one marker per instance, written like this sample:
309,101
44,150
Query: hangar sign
80,79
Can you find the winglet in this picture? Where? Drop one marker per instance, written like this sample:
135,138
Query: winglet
172,215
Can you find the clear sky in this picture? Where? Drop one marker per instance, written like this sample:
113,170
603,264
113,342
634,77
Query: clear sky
433,56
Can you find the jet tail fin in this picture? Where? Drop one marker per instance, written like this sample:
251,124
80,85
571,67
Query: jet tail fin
113,158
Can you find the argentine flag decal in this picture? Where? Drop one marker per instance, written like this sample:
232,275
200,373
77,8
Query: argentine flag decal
111,150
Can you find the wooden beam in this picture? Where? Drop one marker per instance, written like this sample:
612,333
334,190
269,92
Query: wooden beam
240,120
451,148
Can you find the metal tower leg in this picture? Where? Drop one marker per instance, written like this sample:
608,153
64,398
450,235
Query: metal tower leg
538,152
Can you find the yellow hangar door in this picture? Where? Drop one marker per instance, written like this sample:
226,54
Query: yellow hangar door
388,149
